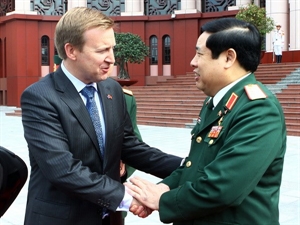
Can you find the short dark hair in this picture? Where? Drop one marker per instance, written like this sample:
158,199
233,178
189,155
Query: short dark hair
243,37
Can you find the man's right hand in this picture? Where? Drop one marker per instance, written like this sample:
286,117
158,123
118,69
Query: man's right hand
138,209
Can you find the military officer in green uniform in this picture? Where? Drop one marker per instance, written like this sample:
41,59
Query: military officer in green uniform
125,170
233,172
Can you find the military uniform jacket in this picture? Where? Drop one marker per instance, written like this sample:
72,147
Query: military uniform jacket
278,37
233,178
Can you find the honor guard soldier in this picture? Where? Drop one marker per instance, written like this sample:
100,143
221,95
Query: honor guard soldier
278,41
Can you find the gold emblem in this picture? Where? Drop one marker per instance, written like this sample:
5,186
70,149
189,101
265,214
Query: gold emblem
199,139
188,163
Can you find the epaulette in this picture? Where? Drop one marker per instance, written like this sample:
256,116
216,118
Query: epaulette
128,92
254,92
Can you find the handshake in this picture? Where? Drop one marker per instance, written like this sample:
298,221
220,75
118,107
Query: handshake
145,195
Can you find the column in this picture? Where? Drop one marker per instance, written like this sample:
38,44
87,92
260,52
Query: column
133,8
22,7
294,25
76,3
187,6
239,4
278,10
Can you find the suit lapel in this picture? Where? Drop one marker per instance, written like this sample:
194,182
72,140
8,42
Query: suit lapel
75,103
107,100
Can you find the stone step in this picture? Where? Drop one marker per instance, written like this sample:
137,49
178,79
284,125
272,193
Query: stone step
171,114
161,123
291,109
145,106
16,112
291,98
178,120
148,108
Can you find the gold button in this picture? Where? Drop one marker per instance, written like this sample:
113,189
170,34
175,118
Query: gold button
211,142
199,139
188,163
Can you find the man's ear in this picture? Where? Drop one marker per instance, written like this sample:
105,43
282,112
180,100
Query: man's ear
230,57
70,51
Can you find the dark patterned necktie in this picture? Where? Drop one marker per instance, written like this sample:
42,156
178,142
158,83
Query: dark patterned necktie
88,92
210,106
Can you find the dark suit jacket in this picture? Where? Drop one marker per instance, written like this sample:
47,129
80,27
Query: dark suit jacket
70,183
235,177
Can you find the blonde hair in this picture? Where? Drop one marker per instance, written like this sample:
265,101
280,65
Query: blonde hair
72,25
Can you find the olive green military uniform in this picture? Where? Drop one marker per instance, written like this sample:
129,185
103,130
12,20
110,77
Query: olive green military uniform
131,109
232,174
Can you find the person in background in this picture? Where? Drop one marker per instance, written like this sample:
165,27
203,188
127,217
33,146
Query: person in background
233,172
78,129
125,170
57,61
278,41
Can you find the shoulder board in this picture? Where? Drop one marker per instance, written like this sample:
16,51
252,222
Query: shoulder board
128,92
254,92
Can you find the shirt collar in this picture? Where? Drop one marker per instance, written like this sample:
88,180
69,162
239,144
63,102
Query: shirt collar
78,84
217,98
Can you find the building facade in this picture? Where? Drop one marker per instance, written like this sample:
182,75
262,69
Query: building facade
170,28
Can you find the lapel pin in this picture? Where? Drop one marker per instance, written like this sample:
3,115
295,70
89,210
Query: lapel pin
109,96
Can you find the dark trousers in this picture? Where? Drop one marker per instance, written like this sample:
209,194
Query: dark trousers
114,218
106,221
278,58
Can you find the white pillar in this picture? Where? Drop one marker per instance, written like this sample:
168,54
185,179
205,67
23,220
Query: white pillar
187,6
278,10
294,25
22,7
133,8
77,3
241,3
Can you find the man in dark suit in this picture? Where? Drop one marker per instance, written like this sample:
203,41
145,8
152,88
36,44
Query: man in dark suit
75,160
232,174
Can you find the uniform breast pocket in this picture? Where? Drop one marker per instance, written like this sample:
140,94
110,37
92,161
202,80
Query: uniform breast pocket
209,149
214,137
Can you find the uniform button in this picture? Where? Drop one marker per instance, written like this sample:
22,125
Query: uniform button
188,163
211,142
199,139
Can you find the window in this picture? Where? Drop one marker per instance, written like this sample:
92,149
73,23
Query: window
262,3
153,50
166,49
45,50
